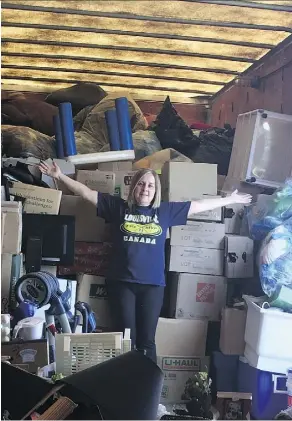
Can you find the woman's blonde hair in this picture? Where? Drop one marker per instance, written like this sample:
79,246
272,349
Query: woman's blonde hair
134,183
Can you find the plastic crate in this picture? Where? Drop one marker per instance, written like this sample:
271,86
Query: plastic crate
76,352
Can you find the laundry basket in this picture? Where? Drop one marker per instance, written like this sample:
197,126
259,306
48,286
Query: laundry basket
76,352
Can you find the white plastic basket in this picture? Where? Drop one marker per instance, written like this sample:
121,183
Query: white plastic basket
268,337
76,352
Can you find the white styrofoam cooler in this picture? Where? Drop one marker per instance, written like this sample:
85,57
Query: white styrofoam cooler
268,337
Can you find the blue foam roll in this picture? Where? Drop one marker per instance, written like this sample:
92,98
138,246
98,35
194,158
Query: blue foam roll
66,118
113,130
124,124
58,136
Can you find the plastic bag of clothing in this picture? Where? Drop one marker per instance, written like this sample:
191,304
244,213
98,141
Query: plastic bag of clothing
275,259
145,143
17,110
270,211
80,96
23,142
79,119
92,136
173,132
216,147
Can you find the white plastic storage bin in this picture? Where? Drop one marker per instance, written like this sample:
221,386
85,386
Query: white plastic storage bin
262,148
76,352
268,337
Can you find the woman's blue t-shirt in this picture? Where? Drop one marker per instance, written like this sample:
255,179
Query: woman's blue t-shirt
139,237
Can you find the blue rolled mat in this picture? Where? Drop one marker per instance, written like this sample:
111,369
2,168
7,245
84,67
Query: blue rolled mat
113,130
66,118
58,136
124,123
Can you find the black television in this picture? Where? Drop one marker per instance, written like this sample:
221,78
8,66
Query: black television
47,240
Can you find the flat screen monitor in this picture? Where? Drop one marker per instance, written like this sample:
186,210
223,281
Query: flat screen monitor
48,240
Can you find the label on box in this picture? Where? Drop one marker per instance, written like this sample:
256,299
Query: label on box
101,181
199,234
177,371
239,258
98,291
233,218
37,199
194,296
196,260
205,293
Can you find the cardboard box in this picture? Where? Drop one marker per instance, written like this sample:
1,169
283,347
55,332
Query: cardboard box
232,331
196,260
195,296
181,337
123,182
37,199
116,166
177,371
28,355
233,218
92,290
199,234
215,215
101,181
239,258
12,227
183,181
88,226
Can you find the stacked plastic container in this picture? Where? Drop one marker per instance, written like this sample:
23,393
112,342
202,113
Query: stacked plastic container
268,351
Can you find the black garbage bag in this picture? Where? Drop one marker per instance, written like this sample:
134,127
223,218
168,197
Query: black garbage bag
173,132
216,147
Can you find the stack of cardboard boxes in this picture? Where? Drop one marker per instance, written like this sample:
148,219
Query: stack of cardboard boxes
201,257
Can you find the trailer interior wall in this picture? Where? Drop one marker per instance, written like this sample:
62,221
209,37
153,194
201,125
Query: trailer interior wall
274,93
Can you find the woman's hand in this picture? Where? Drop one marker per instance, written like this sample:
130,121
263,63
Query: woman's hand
245,199
204,205
53,171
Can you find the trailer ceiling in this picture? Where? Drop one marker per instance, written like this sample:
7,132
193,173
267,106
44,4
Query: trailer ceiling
187,49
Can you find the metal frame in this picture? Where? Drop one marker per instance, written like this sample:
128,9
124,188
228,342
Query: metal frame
120,85
145,18
109,73
122,48
241,3
127,62
138,34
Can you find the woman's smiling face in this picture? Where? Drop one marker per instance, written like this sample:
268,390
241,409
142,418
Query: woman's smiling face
145,190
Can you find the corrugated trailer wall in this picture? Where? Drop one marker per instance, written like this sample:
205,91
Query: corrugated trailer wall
274,92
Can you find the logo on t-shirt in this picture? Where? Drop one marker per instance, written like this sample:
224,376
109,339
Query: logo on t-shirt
141,228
